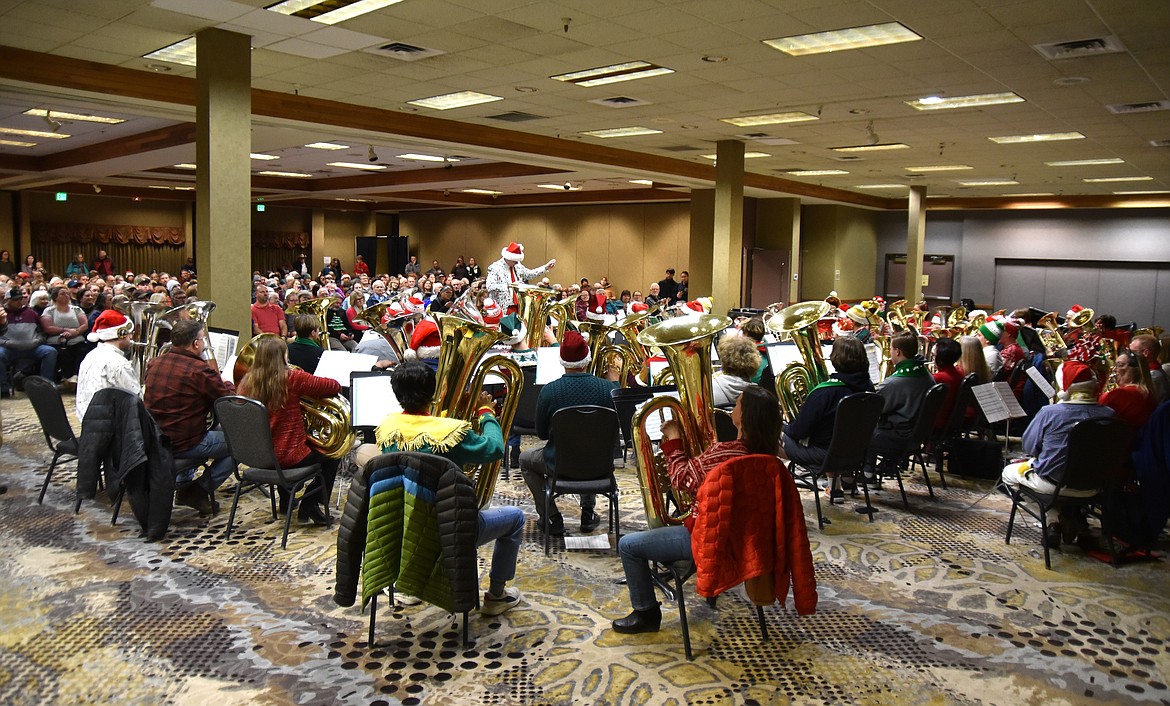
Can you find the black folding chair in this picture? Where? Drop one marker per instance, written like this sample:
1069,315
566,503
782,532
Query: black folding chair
46,401
524,422
585,436
924,421
957,425
626,401
1095,448
249,437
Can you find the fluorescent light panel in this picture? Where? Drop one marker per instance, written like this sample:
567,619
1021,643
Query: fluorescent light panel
63,115
1043,137
816,172
642,182
873,148
1105,180
356,165
558,187
606,80
613,73
17,143
844,39
265,157
460,99
1034,193
622,132
881,186
484,192
318,11
746,155
1084,162
1142,193
327,146
181,52
426,157
184,165
291,175
770,119
975,101
34,133
989,182
940,168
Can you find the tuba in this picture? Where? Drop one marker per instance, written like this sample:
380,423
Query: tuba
563,310
318,307
686,342
327,419
1049,333
533,309
601,350
393,329
143,314
195,311
462,369
796,380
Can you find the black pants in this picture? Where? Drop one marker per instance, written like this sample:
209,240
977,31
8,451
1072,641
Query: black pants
316,492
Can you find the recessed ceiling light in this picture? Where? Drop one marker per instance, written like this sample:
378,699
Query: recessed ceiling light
939,168
613,73
746,155
184,165
881,186
1103,180
1043,137
426,157
17,143
714,58
261,156
356,165
460,99
34,133
816,172
181,52
291,175
989,182
329,13
485,192
975,101
622,132
63,115
1071,80
873,148
559,187
1034,193
642,182
843,39
326,146
158,68
1084,162
770,119
527,89
1142,193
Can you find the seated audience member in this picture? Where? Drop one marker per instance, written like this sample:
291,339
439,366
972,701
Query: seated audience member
946,354
902,392
1148,348
806,438
765,377
757,417
304,351
1046,440
266,316
1131,401
21,339
740,362
106,365
342,337
65,325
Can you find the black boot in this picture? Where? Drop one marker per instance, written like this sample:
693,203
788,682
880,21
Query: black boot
639,621
515,459
312,511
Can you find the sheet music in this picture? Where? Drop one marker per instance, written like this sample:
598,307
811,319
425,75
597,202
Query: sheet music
1044,386
589,541
548,364
223,344
1015,411
373,399
657,366
998,402
337,365
781,354
226,369
653,422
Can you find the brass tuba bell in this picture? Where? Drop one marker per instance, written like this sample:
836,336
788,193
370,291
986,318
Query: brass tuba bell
534,305
391,328
799,322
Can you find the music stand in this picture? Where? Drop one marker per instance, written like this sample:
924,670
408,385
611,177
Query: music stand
371,399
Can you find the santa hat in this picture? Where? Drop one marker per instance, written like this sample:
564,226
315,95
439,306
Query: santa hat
991,330
639,308
693,307
574,350
393,311
1073,310
414,304
425,341
491,311
513,327
1076,380
971,315
109,326
514,252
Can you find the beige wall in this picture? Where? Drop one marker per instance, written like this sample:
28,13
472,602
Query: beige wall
631,244
838,239
7,232
341,230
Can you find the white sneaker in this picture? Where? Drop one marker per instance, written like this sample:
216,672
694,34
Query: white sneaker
498,606
404,598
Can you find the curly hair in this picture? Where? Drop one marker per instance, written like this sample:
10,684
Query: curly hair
738,356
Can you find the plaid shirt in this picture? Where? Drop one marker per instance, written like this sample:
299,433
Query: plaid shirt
180,390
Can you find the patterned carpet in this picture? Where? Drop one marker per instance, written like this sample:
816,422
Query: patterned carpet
926,606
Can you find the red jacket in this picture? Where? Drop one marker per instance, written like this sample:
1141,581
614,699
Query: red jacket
749,523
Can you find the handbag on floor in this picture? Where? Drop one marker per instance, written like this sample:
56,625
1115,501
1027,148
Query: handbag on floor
976,458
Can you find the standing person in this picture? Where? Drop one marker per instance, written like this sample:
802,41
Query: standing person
473,270
757,419
412,267
281,388
266,316
668,288
103,265
189,268
7,266
576,387
360,267
21,338
508,270
106,365
78,267
65,325
684,287
459,271
436,270
30,265
181,387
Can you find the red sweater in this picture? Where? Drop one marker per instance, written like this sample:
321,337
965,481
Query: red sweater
288,426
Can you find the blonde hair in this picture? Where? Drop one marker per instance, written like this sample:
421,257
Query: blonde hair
972,360
267,379
738,356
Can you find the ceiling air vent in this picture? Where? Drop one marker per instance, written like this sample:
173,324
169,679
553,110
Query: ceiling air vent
1148,107
515,116
404,52
619,102
1159,143
682,148
1080,48
849,158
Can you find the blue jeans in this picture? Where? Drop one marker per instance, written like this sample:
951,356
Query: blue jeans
45,355
214,445
505,525
664,545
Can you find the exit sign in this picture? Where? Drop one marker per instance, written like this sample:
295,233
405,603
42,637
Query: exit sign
62,196
260,207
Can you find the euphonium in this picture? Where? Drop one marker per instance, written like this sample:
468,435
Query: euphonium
1049,333
392,329
327,419
630,327
1080,319
686,342
563,310
796,380
601,350
533,309
460,378
317,307
195,311
143,315
898,313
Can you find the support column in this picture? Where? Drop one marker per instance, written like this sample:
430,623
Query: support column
317,244
699,247
727,248
915,243
223,141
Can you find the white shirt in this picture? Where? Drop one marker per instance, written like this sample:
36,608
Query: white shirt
104,366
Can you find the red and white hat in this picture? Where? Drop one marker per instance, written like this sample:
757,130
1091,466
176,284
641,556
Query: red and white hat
492,313
514,252
414,304
574,350
638,307
1073,310
1072,375
425,341
109,326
